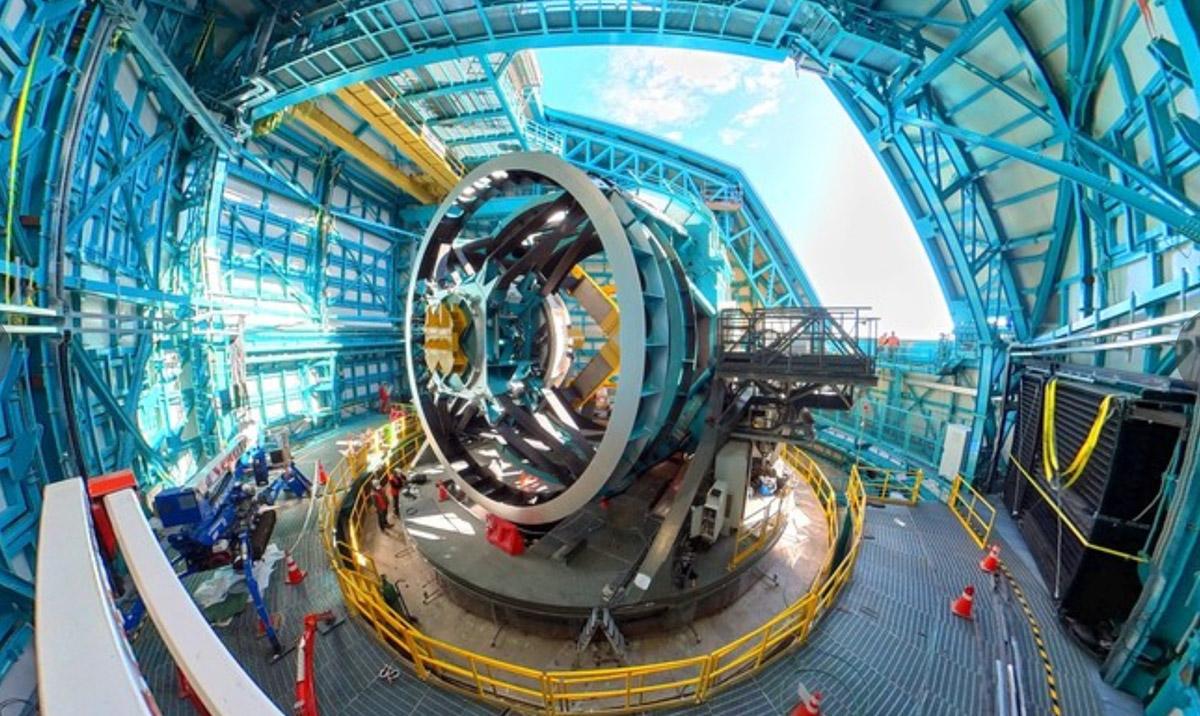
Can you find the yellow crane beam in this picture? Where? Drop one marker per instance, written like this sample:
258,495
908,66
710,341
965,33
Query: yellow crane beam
366,103
328,128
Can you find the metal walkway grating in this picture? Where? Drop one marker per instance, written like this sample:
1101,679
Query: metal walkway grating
889,646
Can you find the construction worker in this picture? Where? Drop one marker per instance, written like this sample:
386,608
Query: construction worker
379,495
396,483
385,398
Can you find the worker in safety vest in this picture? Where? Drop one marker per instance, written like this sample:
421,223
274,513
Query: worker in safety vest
379,495
396,483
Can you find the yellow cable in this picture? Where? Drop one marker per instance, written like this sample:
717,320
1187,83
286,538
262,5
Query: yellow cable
1083,540
14,155
1050,464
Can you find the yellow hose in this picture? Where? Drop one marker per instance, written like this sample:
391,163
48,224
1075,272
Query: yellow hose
1050,466
14,156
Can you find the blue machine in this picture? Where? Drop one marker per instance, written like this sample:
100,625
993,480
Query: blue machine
227,526
292,480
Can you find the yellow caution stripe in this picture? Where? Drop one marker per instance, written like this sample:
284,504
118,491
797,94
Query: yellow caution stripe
1036,629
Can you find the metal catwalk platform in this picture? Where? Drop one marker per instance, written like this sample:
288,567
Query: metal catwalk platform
890,645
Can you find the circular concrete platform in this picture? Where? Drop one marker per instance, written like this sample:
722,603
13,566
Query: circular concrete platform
531,608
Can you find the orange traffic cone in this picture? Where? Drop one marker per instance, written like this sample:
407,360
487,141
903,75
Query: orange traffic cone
294,574
443,493
808,707
322,476
991,562
962,606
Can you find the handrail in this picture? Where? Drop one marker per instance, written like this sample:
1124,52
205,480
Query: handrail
969,510
78,640
608,690
879,484
766,523
1071,526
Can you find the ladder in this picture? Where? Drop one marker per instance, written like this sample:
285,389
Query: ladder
602,619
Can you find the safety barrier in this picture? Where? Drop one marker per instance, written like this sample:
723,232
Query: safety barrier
972,509
610,690
764,525
896,487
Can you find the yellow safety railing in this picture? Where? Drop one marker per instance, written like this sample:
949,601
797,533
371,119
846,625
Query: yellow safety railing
972,509
608,690
764,525
1070,524
896,487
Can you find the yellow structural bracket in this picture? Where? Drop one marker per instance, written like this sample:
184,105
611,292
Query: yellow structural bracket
444,326
375,110
599,303
329,129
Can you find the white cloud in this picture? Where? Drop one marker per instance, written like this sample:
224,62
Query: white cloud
729,136
662,87
754,114
674,135
769,77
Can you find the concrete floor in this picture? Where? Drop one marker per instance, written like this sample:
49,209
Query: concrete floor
785,573
888,646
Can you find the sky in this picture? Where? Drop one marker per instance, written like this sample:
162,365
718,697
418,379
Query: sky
796,145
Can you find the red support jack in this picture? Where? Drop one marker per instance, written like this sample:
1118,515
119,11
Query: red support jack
306,684
505,535
97,488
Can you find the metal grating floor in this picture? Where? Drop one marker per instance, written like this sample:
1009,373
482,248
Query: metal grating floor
889,646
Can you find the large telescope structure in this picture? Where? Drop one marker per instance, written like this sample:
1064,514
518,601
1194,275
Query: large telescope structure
532,424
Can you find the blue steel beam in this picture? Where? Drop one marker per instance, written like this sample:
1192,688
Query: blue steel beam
1185,20
1186,222
967,37
346,52
501,90
464,118
625,155
448,89
160,63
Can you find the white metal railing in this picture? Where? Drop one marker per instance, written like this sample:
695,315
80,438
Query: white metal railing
216,677
84,662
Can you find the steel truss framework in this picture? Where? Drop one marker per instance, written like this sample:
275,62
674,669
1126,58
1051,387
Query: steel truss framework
971,180
1050,170
766,270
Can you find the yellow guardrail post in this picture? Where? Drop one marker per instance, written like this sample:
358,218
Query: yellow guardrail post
970,514
620,690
